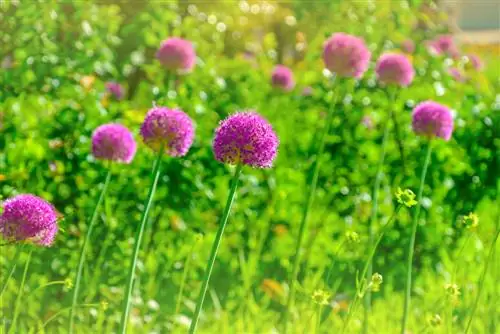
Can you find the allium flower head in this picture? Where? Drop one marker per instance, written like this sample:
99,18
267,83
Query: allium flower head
282,78
169,127
408,46
346,55
394,68
457,74
475,62
247,138
115,89
29,218
444,45
113,142
432,119
176,54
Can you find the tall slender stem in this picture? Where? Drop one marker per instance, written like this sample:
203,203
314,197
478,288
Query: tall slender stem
138,238
187,265
483,277
215,249
84,249
373,218
332,265
305,215
20,294
12,270
411,247
361,287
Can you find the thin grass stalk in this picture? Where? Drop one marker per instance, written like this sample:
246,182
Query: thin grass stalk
483,278
187,266
81,260
12,329
373,218
305,216
12,270
360,288
215,249
138,239
411,247
58,313
453,278
332,265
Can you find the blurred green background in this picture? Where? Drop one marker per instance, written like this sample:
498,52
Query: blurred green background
55,60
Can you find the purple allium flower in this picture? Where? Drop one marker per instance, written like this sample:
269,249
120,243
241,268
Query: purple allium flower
456,74
176,54
394,68
29,218
169,127
476,62
367,122
247,138
432,119
408,46
113,142
444,45
115,89
307,91
346,55
282,78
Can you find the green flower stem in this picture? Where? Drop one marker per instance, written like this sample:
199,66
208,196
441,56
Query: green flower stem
332,266
138,238
373,218
360,286
411,247
187,266
20,294
79,270
64,310
483,277
305,215
12,270
215,249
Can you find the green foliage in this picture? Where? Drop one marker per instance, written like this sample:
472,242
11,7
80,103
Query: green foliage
56,58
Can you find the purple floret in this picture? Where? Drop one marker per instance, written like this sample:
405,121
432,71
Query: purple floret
432,119
246,138
171,128
113,142
29,218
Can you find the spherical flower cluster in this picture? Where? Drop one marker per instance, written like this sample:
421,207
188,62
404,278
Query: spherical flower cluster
444,45
282,78
113,142
171,129
394,68
432,119
408,46
176,54
115,89
475,62
457,74
29,218
246,138
346,55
